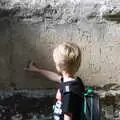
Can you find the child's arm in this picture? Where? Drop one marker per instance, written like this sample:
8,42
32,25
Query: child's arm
67,117
31,67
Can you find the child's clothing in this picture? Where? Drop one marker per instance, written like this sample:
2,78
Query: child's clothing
69,100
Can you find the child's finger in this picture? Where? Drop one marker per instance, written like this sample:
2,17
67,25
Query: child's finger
26,69
29,63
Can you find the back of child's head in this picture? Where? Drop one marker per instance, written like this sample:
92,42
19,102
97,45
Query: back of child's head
67,57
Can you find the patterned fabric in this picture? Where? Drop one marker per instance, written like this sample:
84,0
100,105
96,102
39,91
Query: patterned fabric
57,113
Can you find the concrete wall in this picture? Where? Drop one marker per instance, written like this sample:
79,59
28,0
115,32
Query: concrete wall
31,29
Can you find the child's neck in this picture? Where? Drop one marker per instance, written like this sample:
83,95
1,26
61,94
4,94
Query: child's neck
68,77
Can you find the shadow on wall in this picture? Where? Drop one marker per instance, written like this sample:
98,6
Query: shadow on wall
19,43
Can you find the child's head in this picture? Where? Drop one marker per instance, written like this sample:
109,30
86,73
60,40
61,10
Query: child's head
67,57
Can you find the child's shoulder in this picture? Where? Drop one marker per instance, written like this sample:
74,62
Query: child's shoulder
75,86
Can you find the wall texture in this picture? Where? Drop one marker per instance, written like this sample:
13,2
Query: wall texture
30,29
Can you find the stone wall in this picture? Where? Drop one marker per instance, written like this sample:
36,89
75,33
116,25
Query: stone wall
30,29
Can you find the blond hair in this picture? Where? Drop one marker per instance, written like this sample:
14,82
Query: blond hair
67,56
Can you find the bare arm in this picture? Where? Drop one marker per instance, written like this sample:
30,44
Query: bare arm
48,74
67,117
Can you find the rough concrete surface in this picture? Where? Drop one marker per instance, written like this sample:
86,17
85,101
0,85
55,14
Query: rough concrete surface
31,29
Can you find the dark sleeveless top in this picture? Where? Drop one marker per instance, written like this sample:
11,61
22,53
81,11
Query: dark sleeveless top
71,100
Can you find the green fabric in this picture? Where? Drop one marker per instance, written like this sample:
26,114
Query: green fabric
88,92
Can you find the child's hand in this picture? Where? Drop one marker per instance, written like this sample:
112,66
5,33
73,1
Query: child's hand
31,67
